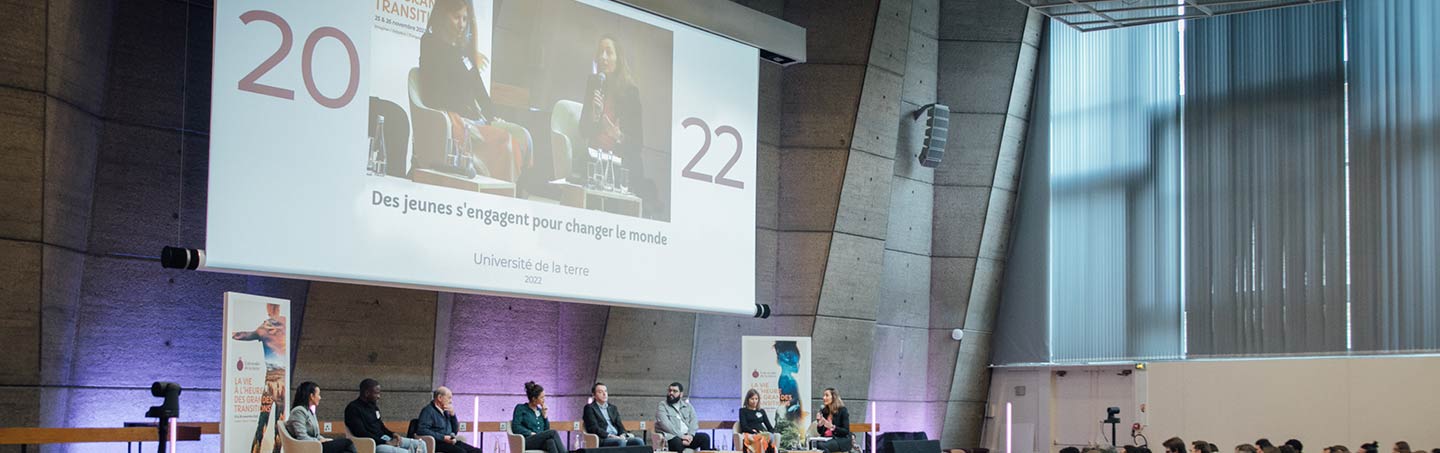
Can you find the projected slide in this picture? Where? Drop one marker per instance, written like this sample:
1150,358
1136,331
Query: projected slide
565,149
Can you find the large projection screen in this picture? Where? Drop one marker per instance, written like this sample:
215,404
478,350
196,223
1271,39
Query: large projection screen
578,150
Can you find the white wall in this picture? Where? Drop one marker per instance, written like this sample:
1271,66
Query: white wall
1322,402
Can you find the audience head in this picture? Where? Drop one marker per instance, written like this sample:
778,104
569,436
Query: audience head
1069,450
1401,447
1212,448
441,397
1295,443
675,392
1174,445
1370,447
832,401
370,390
752,399
1245,448
1342,449
600,393
307,394
1287,449
535,394
1199,446
1263,443
1269,450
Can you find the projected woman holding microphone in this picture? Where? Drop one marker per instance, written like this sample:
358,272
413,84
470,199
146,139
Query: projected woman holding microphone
611,118
450,65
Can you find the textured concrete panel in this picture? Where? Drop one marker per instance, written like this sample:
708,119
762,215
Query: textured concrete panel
996,242
136,202
496,344
20,406
940,368
974,146
197,69
768,123
959,220
397,347
810,187
395,403
72,138
852,277
925,18
767,186
950,284
22,58
1012,150
195,189
899,363
716,373
22,123
865,198
904,291
1023,89
20,301
801,264
975,77
922,62
123,296
1034,26
907,146
767,270
774,8
645,350
911,416
911,214
60,304
985,295
875,128
838,32
147,64
972,368
963,422
842,350
76,62
982,20
820,104
892,26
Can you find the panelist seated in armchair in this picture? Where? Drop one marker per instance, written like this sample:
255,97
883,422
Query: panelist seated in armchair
302,424
362,418
438,420
675,421
450,81
753,428
603,420
529,420
833,422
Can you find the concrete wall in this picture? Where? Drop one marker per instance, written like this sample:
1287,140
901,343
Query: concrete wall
104,109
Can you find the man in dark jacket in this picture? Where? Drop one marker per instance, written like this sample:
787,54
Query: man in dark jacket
362,418
603,419
438,420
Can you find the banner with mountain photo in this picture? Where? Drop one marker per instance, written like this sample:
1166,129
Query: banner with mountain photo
256,373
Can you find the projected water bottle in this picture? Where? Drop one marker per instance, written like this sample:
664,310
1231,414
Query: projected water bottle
376,164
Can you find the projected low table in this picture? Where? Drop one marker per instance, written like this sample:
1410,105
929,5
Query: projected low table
484,184
600,200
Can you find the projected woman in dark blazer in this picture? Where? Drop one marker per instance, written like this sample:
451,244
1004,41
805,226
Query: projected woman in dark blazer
450,65
833,421
611,119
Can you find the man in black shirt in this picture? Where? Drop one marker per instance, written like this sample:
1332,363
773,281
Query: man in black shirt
362,418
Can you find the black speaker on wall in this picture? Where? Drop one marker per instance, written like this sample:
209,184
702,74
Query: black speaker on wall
937,128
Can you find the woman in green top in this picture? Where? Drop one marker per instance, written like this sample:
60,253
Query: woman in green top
529,421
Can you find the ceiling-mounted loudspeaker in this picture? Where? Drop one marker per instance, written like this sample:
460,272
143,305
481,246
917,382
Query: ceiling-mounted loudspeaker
937,128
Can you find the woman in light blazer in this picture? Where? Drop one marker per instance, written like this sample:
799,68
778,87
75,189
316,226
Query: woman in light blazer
302,424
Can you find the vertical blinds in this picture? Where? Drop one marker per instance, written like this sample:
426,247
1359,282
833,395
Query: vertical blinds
1395,158
1265,183
1114,193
